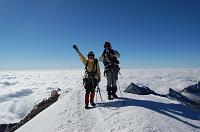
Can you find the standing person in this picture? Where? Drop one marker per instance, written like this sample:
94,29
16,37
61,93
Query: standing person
92,76
109,58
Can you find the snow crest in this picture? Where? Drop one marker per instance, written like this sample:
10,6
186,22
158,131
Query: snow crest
132,113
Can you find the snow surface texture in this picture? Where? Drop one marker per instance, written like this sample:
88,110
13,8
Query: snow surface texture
136,113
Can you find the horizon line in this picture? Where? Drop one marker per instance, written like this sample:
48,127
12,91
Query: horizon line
62,69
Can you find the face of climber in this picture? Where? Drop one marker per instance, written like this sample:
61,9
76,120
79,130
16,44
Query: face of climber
90,58
106,47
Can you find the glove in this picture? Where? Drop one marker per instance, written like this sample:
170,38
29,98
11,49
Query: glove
76,48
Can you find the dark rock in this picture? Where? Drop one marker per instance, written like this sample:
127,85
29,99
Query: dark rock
192,89
6,127
183,99
135,89
179,97
36,110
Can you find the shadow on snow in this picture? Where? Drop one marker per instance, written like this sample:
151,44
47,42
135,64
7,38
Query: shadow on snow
170,110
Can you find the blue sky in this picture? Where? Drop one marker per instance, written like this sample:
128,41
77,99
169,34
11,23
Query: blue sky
39,34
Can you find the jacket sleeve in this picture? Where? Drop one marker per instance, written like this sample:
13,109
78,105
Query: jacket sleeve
83,59
116,54
98,71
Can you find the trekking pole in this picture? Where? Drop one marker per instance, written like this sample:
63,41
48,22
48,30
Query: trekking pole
98,90
121,93
119,89
96,96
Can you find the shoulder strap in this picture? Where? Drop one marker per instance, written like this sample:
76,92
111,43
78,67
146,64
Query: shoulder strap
95,61
95,64
86,66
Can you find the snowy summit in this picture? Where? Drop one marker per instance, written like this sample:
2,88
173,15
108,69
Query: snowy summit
137,113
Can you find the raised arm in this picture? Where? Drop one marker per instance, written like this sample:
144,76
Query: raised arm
82,58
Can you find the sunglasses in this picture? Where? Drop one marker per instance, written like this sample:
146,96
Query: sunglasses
90,57
106,46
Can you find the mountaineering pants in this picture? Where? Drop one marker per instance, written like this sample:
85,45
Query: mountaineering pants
90,84
112,77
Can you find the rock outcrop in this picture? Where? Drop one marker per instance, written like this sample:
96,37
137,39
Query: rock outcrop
36,110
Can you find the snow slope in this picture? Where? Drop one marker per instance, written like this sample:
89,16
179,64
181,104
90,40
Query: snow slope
139,114
132,113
